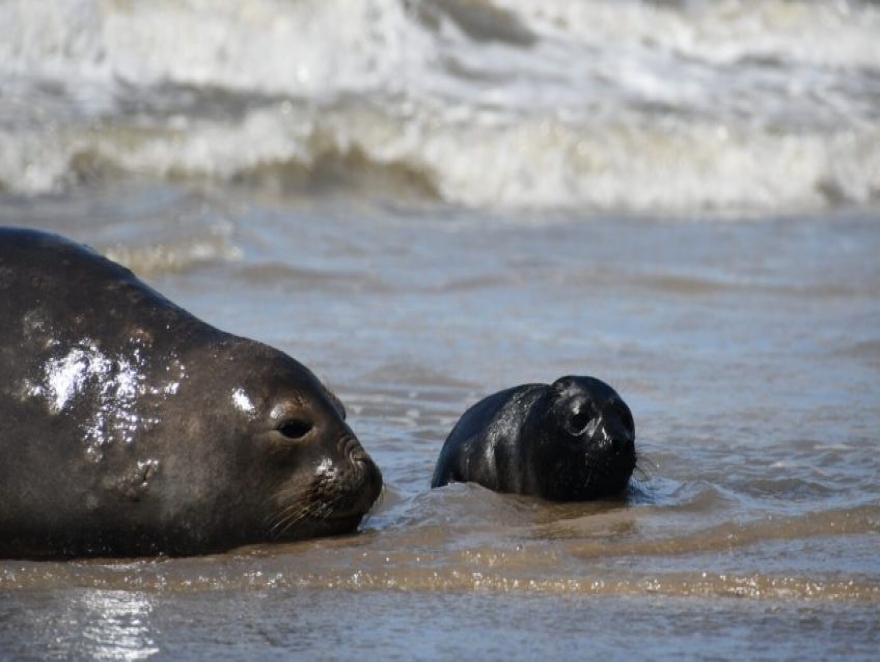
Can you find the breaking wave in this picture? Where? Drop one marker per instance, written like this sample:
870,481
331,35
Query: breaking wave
633,106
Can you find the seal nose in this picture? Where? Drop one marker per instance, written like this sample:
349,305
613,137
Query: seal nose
355,453
618,440
365,467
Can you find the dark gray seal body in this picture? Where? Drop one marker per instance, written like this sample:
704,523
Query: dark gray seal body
573,440
130,427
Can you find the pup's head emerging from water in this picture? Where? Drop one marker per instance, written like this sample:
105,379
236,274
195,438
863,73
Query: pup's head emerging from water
573,440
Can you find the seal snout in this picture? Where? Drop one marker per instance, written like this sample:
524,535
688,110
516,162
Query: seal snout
351,448
366,478
622,445
616,439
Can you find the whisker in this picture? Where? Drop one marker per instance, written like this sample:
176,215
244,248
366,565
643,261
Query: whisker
298,509
375,507
312,509
643,471
287,519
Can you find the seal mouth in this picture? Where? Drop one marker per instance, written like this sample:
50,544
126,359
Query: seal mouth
311,512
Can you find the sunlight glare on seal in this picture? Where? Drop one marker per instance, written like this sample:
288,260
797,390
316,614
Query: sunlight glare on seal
242,402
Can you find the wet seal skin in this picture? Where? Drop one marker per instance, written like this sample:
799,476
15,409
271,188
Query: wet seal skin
573,440
130,427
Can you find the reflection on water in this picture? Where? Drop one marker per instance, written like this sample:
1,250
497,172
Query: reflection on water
91,624
117,626
108,625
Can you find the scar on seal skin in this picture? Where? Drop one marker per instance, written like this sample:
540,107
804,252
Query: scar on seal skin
573,440
130,427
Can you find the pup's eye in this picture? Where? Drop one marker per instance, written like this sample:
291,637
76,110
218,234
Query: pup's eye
294,429
580,420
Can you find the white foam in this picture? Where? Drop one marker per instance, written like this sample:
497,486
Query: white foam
841,34
301,48
613,105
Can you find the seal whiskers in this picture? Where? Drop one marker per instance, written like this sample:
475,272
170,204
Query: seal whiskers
303,508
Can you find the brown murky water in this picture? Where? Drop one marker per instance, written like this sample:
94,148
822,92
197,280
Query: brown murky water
748,350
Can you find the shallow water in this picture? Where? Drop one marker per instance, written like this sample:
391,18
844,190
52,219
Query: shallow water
747,350
429,201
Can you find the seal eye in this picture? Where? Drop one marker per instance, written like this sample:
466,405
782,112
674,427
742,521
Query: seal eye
579,421
294,428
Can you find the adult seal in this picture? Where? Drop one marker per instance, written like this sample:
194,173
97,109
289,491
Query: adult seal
130,427
573,440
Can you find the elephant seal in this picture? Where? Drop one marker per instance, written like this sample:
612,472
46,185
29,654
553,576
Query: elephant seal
573,440
129,427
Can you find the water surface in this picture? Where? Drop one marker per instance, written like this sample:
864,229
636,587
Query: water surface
747,350
427,202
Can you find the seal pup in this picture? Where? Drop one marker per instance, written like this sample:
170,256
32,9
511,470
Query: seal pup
130,427
573,440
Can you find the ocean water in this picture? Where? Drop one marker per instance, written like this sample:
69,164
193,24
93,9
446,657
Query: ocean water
429,201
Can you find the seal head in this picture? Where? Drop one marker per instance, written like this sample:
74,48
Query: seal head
573,440
130,427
